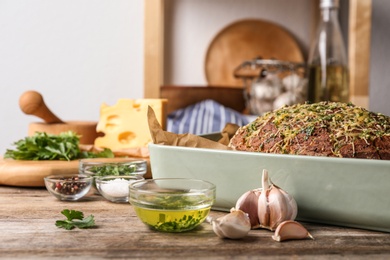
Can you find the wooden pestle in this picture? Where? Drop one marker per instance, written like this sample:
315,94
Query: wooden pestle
32,103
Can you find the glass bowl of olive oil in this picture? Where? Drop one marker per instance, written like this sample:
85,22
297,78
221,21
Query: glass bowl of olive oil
172,204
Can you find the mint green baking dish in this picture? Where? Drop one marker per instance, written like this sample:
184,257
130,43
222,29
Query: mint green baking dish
337,191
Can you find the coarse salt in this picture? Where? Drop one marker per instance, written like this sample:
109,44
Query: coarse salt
116,187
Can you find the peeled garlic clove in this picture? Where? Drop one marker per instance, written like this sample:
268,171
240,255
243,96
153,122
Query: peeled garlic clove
289,230
248,202
234,225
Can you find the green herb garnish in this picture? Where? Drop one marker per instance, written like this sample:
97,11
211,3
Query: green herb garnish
308,130
106,153
343,123
116,170
44,146
185,223
75,219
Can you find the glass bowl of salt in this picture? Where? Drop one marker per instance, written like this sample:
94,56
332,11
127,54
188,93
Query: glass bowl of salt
116,188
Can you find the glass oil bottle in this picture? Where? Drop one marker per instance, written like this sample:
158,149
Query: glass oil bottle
328,75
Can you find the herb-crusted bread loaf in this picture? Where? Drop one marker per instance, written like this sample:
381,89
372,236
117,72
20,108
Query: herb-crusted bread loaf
321,129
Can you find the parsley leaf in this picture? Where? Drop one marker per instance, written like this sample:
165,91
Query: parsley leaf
75,219
72,214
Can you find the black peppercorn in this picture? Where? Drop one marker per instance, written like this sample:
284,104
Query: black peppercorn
69,186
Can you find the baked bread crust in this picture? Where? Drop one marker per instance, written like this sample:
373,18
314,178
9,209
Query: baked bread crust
329,129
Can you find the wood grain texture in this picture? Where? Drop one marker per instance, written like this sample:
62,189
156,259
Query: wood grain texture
27,173
27,227
153,47
85,129
32,103
31,173
182,96
359,50
245,40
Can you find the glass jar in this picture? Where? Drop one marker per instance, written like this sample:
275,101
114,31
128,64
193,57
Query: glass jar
270,84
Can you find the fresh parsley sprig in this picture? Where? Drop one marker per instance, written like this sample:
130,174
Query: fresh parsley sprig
44,146
75,219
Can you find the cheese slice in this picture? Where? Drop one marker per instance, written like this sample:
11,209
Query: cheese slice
125,124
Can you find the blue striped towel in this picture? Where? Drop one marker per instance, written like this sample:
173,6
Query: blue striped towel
205,117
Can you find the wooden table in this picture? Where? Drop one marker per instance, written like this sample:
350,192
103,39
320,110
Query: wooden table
27,231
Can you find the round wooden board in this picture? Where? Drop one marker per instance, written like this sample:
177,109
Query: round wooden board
245,40
31,173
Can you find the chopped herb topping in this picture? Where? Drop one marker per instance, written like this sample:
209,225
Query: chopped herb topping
344,123
185,223
114,169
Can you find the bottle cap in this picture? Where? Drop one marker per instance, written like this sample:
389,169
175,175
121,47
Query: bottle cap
329,4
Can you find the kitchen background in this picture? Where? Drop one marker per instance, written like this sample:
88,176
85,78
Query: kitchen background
81,53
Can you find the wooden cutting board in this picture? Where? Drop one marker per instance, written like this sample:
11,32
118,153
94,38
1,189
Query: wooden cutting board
31,173
246,40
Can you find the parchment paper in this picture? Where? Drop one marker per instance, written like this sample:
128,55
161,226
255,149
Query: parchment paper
159,136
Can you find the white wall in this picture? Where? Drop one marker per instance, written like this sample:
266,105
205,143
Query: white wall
380,57
76,53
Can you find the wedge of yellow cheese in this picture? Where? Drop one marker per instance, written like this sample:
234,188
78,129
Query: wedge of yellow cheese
125,124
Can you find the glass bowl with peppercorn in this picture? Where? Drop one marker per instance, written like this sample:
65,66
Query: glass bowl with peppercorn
68,187
116,188
172,204
100,167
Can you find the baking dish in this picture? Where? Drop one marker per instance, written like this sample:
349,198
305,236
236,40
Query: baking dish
337,191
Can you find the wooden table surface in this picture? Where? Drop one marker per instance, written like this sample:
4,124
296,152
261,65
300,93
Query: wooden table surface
28,231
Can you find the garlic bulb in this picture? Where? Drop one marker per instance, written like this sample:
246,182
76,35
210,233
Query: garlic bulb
259,107
273,205
285,99
234,225
291,82
268,87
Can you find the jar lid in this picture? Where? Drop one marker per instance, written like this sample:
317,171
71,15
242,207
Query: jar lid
329,4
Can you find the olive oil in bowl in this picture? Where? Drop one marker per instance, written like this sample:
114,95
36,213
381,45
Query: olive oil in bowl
172,204
172,220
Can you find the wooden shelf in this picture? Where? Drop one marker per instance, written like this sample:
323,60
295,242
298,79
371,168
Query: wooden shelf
359,36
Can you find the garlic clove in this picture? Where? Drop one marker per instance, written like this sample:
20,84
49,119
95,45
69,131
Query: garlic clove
248,203
263,211
278,208
234,225
292,205
289,230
